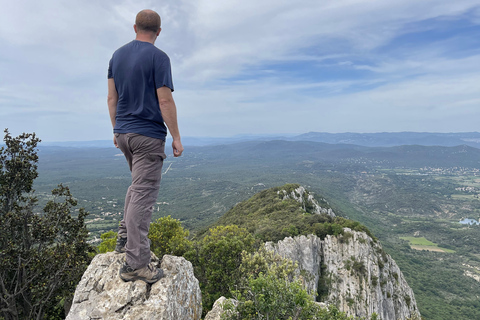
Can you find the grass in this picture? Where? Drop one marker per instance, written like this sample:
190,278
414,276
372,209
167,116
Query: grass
421,243
463,196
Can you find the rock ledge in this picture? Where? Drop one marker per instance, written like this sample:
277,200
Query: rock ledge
101,294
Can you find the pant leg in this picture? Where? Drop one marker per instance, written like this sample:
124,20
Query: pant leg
122,142
147,161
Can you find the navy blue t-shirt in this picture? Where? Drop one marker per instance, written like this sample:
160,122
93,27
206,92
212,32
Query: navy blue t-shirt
139,69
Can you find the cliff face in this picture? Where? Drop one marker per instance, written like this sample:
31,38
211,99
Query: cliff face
101,294
353,272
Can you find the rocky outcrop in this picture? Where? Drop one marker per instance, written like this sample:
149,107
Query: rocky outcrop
217,309
353,272
101,294
307,251
306,199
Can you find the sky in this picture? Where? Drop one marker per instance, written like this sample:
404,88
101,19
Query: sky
249,66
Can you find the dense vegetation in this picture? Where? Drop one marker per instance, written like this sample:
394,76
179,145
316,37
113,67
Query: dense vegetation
42,254
270,217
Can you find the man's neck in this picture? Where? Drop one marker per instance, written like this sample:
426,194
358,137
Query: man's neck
145,38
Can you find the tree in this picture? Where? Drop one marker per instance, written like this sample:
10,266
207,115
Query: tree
216,259
43,253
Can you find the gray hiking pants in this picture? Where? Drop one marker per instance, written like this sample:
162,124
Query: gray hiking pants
145,157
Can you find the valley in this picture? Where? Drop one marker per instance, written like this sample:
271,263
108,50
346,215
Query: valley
411,197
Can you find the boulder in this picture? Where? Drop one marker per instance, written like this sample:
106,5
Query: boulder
217,309
101,294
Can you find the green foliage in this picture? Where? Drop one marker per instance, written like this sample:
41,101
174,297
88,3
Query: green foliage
18,169
216,259
264,261
168,237
271,218
270,289
395,275
408,300
359,267
109,240
42,254
269,297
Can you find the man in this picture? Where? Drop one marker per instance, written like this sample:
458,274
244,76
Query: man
140,104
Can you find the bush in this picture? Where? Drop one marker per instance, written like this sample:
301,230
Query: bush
216,259
109,240
168,237
269,297
272,289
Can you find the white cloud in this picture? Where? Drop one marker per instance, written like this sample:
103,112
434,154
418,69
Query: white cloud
54,56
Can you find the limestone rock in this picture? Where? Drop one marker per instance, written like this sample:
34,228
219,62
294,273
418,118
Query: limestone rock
307,251
360,277
217,309
307,201
101,294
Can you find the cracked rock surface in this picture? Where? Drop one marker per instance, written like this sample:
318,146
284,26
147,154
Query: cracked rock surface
101,294
360,277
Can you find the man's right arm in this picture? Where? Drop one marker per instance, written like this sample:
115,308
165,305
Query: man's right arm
169,115
112,100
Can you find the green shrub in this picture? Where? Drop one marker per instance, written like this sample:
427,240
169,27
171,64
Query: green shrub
216,259
270,297
271,288
359,267
395,275
168,237
109,239
264,261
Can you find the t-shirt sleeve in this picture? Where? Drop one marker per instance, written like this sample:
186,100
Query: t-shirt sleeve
110,73
163,72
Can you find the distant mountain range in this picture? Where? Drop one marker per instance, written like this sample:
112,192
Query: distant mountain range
391,139
381,139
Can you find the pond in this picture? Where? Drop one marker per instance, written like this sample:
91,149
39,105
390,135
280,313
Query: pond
470,221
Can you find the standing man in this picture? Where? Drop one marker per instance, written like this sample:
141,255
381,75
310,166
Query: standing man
140,104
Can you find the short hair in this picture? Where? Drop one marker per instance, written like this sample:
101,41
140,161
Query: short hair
148,20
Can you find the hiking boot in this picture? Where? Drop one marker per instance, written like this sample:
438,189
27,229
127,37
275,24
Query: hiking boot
150,274
120,246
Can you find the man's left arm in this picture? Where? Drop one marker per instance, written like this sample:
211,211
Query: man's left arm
169,115
112,100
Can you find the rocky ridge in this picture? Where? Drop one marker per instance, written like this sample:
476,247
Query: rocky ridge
306,199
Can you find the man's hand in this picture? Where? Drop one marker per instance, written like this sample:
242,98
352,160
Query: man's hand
115,142
177,148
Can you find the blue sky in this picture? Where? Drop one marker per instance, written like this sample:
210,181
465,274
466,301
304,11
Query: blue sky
249,67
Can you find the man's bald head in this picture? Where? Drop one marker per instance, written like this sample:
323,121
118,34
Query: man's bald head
148,20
